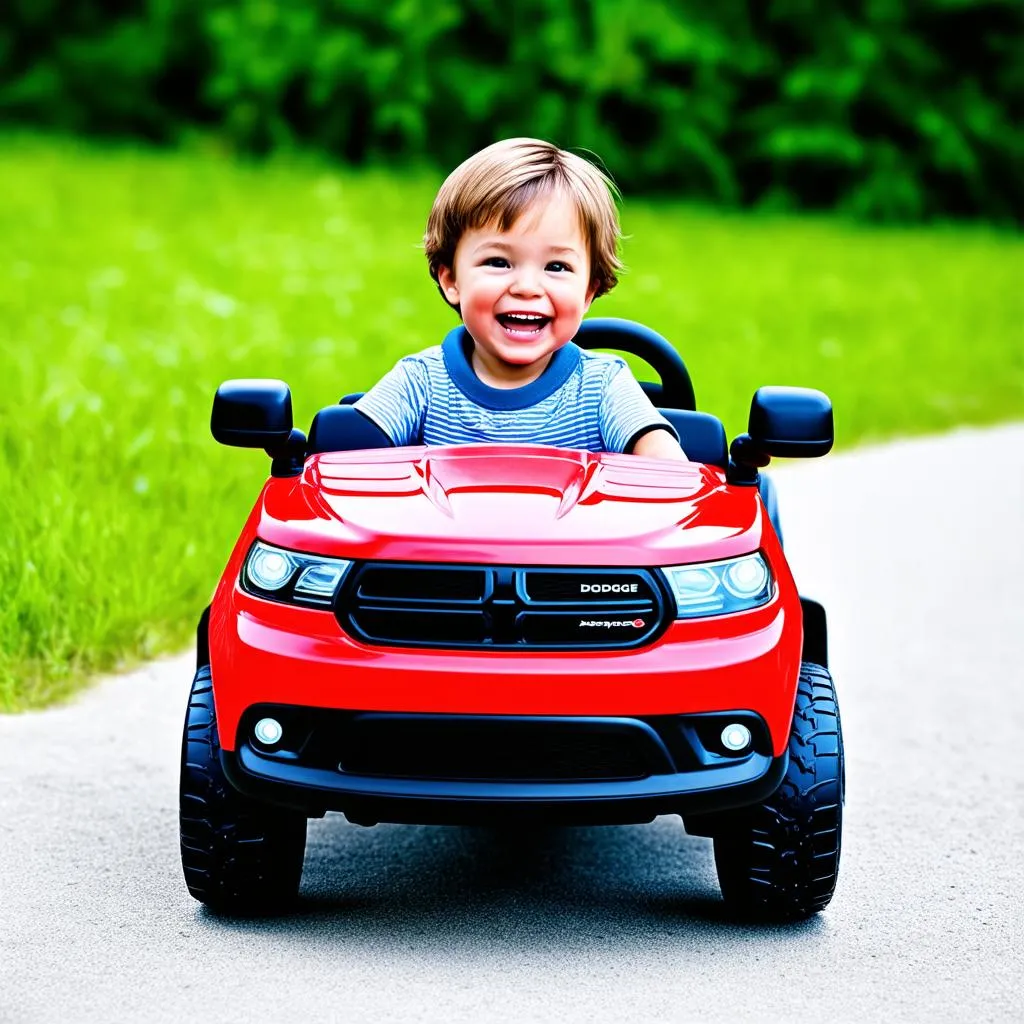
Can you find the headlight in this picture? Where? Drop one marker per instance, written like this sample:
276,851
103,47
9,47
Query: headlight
716,588
292,576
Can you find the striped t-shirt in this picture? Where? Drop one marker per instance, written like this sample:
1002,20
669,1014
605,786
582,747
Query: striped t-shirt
584,400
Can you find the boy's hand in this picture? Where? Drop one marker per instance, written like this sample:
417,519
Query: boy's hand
659,444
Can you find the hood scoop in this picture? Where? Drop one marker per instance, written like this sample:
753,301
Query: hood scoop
474,484
568,478
562,476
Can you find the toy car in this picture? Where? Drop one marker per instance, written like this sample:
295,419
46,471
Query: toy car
510,633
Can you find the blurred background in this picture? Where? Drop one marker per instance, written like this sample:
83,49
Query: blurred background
816,194
887,109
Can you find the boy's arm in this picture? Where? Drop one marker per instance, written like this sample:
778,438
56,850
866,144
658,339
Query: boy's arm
658,444
631,424
397,403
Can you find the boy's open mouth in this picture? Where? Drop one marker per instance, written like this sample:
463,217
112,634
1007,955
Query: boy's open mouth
523,325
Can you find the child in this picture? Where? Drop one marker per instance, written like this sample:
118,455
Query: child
522,237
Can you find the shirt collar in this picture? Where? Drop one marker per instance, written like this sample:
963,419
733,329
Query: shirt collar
456,350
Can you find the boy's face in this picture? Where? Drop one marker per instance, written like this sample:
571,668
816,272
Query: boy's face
522,292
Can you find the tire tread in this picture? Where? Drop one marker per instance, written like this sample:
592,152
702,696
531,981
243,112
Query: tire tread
237,855
780,858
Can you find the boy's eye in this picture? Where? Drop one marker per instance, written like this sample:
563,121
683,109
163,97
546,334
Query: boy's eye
496,261
559,267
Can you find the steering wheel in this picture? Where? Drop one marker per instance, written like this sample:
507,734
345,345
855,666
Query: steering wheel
675,390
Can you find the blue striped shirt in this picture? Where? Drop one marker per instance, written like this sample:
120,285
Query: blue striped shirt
585,400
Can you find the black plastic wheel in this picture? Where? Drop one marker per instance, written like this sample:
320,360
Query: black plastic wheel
238,855
780,859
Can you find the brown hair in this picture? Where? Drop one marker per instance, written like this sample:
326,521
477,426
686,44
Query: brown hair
497,184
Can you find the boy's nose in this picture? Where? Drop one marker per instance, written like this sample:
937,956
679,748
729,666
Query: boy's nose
526,283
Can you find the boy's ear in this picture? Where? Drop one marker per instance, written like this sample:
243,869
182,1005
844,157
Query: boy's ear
449,289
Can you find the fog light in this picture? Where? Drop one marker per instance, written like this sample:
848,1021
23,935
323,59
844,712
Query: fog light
268,731
735,737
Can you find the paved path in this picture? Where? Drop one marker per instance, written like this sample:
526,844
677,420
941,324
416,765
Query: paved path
916,550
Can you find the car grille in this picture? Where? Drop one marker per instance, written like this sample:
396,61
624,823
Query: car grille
502,607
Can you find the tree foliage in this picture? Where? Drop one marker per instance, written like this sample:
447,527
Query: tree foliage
887,109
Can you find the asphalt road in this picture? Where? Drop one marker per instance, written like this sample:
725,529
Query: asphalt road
916,550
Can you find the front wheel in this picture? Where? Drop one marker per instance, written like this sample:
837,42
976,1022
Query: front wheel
238,855
780,858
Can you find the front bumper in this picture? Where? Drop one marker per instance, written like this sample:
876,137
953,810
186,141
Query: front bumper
472,769
537,712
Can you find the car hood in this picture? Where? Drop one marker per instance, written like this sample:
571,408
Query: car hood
525,504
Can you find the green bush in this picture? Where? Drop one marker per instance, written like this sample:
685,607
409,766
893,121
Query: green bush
884,109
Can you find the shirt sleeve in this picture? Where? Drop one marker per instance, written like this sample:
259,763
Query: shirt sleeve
397,403
626,412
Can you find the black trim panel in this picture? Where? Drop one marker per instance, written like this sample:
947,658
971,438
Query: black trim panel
203,639
681,771
815,632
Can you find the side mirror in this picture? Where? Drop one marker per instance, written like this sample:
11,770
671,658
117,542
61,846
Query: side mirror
795,423
791,423
252,413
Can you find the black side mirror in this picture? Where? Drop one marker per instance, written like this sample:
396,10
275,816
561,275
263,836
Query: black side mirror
252,413
793,423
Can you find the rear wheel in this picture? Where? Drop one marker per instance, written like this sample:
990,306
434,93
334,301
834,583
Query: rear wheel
780,858
238,855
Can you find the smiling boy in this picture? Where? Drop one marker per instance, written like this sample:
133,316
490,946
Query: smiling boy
522,237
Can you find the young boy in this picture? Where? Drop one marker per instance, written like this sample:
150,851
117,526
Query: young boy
522,237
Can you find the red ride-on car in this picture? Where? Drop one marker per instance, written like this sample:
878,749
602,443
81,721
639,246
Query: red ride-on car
505,633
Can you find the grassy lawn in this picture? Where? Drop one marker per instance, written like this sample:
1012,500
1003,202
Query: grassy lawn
134,282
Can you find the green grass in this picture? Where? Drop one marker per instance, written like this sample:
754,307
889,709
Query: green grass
132,283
